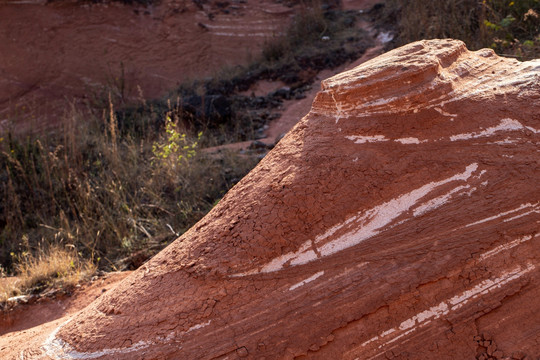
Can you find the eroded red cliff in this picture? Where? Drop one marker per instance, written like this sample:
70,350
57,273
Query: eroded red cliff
399,218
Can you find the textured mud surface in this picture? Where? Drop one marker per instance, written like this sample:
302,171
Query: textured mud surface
33,321
399,219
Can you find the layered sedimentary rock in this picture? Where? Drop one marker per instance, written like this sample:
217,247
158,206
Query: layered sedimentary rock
399,218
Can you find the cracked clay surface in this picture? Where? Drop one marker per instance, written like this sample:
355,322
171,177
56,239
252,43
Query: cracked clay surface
399,219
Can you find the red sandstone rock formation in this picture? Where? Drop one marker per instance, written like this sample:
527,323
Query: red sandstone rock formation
399,219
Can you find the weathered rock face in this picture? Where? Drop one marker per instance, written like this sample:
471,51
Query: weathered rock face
399,218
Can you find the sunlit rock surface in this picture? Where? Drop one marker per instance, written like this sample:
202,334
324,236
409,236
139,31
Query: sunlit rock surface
399,218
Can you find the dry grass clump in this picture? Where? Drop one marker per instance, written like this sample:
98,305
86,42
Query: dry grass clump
8,288
57,267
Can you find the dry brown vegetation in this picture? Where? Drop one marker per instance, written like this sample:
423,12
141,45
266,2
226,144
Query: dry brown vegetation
57,267
106,195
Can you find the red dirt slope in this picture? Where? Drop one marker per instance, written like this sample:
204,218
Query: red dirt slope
47,310
399,218
76,52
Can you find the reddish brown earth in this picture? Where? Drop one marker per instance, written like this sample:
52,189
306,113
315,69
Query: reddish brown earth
23,321
400,219
61,53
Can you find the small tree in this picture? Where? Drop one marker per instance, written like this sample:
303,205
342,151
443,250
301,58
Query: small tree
175,147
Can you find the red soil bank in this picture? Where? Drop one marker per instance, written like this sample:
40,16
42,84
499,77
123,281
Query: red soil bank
399,219
64,52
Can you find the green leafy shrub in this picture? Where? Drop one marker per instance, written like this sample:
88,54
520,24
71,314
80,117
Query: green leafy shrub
176,147
511,28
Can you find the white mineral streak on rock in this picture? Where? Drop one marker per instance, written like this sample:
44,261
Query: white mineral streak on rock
397,337
536,209
506,141
481,173
444,113
304,258
382,215
410,140
530,128
438,201
58,349
309,279
504,125
505,247
485,286
339,110
337,227
53,346
378,102
521,207
375,338
433,312
387,332
198,326
359,139
363,226
277,263
408,326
